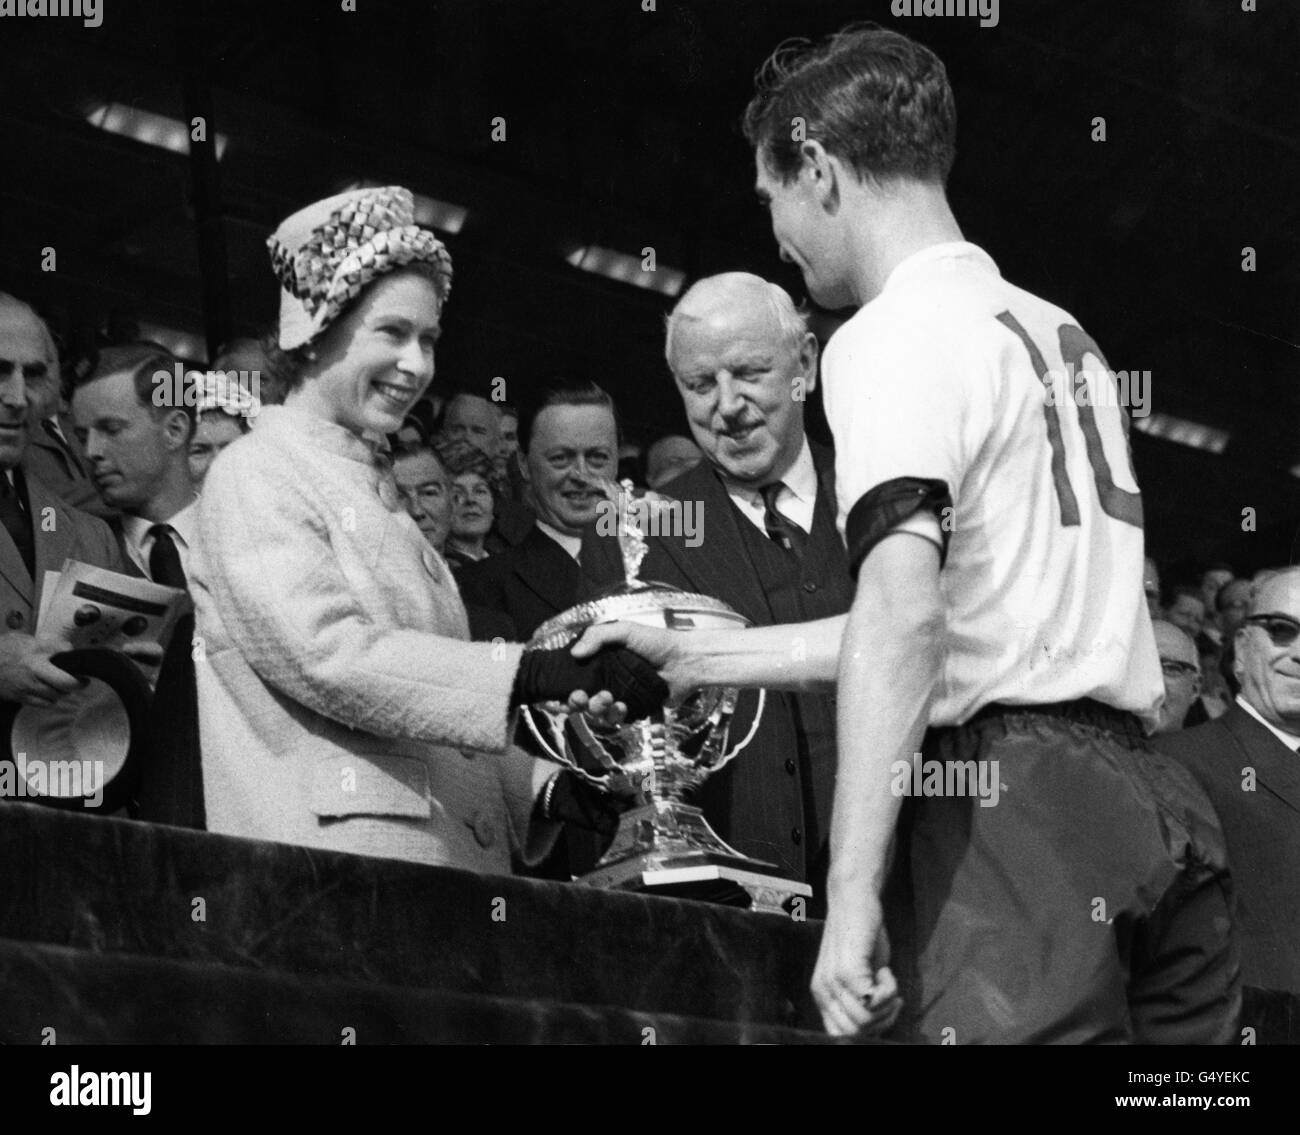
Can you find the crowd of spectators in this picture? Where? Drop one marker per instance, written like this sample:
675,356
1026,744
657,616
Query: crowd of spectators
509,503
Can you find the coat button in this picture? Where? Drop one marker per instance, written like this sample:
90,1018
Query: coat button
796,836
14,620
790,766
484,830
810,587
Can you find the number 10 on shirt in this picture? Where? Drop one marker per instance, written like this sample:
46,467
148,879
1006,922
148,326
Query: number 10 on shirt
1075,344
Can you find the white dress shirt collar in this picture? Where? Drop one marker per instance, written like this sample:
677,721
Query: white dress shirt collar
571,544
184,526
796,501
1290,740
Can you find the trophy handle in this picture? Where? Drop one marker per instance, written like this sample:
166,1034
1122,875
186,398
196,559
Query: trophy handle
548,750
753,728
556,749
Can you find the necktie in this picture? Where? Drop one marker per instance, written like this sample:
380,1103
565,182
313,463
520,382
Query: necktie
779,526
17,523
164,559
62,442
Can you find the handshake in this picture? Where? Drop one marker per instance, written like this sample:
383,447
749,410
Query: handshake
610,686
555,675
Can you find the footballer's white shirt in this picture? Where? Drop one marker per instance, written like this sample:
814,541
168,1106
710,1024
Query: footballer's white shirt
937,378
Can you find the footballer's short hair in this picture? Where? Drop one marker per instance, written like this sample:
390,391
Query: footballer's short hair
875,99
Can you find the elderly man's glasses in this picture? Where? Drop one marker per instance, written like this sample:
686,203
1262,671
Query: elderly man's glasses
1282,630
1176,668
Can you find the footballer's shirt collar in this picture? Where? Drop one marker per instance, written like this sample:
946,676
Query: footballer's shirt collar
932,254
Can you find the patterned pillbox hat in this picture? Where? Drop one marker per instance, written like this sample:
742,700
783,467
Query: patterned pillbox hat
326,254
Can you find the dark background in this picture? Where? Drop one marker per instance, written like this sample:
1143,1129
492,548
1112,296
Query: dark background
622,131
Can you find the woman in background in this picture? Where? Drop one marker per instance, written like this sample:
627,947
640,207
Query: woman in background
223,414
473,504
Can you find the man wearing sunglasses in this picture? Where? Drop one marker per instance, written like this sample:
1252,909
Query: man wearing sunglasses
1248,761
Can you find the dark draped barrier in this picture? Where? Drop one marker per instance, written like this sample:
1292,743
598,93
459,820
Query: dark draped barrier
113,931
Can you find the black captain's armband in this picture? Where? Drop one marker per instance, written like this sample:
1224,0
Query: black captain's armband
879,511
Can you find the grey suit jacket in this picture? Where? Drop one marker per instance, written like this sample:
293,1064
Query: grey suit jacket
60,532
1262,827
47,460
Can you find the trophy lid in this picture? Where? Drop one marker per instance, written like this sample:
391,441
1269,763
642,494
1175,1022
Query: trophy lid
638,601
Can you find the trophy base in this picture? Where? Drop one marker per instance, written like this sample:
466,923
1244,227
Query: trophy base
668,848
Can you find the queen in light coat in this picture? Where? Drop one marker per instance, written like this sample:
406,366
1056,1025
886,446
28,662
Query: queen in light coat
341,704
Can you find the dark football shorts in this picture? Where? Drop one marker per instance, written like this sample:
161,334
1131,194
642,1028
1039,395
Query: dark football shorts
1090,903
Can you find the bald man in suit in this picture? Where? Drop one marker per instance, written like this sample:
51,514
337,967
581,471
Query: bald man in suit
1248,762
38,529
51,455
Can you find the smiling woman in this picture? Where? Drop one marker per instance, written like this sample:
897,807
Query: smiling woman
474,509
340,703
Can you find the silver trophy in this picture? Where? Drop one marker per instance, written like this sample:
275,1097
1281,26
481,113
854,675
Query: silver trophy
663,844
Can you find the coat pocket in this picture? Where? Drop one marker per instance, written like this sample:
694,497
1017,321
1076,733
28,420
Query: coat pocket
373,784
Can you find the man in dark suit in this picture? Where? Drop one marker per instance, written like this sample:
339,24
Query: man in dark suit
570,448
758,531
1248,762
136,426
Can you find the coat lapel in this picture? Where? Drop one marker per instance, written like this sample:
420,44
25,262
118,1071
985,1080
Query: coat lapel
55,542
719,566
129,566
824,463
1276,767
547,570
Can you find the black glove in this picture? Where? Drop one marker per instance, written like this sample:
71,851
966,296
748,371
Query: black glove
552,675
573,801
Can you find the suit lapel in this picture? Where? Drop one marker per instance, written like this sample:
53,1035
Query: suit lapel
56,456
59,542
824,463
547,570
129,566
720,566
75,449
826,507
1276,767
13,568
